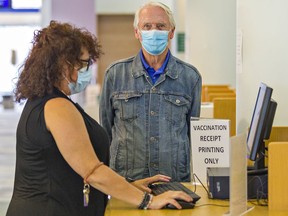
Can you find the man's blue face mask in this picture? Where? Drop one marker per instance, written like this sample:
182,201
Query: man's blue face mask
154,41
84,79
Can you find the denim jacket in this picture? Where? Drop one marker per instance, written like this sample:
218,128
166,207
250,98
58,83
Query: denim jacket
149,125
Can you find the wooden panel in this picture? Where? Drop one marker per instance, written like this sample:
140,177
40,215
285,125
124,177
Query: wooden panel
210,91
212,96
215,86
116,35
225,108
206,87
278,134
278,176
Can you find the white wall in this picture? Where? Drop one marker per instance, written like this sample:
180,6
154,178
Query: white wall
73,11
180,19
263,24
210,39
27,18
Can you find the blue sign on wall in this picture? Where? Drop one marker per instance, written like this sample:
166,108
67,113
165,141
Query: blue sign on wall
5,4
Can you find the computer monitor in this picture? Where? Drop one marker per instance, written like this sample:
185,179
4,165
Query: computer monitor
261,125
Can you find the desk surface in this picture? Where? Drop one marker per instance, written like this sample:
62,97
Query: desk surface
204,206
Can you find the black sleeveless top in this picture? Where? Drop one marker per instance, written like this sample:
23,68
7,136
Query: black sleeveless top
45,185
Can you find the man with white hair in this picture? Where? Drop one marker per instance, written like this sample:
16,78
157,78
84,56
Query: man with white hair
147,101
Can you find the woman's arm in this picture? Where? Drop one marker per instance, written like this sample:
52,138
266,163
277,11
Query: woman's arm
67,126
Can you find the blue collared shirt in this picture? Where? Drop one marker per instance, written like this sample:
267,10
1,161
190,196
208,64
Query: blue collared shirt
154,75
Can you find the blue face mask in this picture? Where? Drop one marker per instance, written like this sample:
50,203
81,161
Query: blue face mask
84,79
154,41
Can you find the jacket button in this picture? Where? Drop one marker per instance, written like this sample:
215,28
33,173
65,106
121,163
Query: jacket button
154,165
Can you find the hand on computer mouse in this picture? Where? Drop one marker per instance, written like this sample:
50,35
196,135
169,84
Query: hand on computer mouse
169,198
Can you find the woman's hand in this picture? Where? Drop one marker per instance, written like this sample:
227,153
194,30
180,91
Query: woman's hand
169,197
163,199
142,184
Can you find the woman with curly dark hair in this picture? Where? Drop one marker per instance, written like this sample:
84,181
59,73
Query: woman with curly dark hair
61,152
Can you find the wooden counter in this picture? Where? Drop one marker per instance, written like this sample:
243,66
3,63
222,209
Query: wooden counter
204,206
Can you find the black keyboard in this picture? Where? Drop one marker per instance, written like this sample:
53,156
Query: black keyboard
159,188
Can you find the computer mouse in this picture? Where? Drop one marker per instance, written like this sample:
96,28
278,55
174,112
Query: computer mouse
184,204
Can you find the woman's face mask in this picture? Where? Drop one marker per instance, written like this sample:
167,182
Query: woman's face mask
83,80
154,41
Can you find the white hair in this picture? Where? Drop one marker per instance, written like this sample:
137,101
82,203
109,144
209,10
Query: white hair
158,4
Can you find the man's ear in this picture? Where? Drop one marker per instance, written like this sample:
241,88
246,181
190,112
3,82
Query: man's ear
137,34
171,34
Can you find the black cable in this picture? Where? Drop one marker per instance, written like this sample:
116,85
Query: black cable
207,204
194,175
261,197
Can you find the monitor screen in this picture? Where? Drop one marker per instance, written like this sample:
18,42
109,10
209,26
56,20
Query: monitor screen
260,126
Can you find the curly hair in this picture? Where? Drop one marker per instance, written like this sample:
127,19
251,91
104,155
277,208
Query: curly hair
43,67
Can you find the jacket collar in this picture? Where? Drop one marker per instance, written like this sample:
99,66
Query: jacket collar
138,69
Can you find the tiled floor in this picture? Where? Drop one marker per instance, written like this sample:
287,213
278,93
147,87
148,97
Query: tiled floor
8,123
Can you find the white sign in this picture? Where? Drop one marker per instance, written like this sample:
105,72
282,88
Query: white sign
210,141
